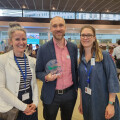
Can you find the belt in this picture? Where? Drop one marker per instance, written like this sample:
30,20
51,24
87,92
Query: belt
64,90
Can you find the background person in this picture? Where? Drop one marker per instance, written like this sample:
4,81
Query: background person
98,80
37,47
116,55
58,91
18,87
111,52
29,50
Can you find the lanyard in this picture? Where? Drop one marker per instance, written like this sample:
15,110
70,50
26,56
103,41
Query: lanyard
88,73
24,75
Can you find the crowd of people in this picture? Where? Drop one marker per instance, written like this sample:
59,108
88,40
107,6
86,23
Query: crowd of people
94,77
29,50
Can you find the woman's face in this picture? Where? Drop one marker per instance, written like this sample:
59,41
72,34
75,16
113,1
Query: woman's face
19,42
87,38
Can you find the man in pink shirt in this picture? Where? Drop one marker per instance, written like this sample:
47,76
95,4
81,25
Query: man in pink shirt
58,90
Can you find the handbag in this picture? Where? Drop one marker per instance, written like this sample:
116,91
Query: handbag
10,115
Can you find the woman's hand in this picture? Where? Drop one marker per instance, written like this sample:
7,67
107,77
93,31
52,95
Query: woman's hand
27,111
110,111
80,109
32,106
30,109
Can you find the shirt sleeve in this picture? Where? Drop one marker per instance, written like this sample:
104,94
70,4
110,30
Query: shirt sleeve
114,52
111,73
6,95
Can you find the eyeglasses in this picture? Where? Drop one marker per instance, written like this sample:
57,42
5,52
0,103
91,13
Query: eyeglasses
87,36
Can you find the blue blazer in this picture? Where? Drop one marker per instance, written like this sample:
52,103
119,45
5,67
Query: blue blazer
46,53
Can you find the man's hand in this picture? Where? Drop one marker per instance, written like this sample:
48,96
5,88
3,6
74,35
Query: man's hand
51,77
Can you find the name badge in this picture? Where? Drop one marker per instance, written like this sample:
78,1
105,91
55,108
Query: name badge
88,90
68,57
92,61
25,96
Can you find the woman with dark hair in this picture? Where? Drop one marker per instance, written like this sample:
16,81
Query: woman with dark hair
18,86
98,80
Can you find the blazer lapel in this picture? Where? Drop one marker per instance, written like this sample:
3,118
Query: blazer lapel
11,60
52,49
71,52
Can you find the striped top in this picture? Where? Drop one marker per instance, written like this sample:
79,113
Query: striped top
29,74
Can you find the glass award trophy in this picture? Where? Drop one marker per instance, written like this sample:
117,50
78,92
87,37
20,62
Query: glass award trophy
53,67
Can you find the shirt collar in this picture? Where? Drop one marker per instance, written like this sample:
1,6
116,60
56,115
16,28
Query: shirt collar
55,43
83,56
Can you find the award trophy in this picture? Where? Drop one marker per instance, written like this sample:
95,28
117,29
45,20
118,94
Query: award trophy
53,67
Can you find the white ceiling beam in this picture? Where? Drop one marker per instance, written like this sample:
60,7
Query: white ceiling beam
74,5
3,4
81,6
26,4
89,5
97,5
104,6
34,4
66,5
58,4
10,4
18,3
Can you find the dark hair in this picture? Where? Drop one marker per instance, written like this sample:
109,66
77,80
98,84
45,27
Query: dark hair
118,42
95,47
37,45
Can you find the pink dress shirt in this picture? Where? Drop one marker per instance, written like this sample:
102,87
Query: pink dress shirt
63,58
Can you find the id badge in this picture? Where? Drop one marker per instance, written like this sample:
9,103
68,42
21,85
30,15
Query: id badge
92,61
88,90
25,96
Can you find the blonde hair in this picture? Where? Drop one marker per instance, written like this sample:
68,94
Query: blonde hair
14,27
95,48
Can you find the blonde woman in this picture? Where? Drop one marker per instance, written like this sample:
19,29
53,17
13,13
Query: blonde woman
18,87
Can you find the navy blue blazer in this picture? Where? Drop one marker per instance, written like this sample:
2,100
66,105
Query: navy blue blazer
46,53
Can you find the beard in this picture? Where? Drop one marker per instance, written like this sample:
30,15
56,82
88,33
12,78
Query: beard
58,37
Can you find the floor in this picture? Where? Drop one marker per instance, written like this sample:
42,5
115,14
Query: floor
76,114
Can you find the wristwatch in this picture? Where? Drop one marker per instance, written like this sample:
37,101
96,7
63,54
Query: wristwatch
112,103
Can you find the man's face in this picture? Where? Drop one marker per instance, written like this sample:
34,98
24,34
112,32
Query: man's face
58,28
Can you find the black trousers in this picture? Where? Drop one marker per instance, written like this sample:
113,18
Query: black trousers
65,102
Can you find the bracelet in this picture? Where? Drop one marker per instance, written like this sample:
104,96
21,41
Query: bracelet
112,103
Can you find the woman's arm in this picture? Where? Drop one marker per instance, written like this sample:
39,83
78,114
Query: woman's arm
5,94
80,106
34,87
110,110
